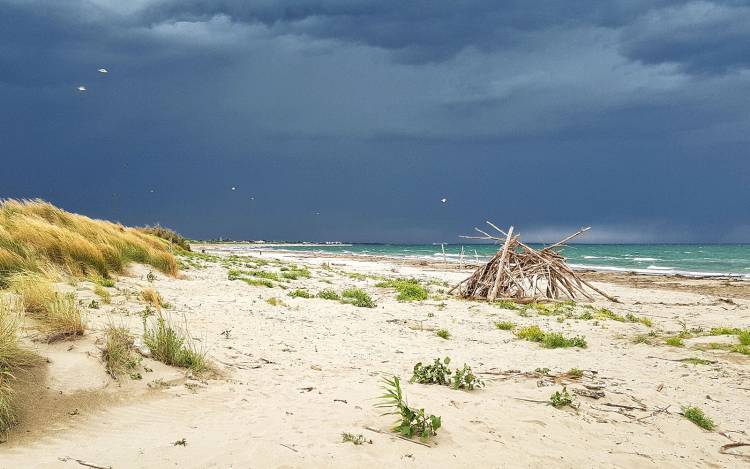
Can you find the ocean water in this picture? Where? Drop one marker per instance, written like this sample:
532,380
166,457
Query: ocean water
686,259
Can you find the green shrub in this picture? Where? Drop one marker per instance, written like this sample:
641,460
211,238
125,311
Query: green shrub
557,340
530,333
357,297
561,399
258,282
437,373
329,295
675,341
408,289
298,293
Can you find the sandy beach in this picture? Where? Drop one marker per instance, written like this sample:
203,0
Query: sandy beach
289,378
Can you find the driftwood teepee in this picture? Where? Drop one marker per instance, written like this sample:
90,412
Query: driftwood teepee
520,273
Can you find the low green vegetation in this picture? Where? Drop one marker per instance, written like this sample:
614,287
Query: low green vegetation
696,415
170,347
273,301
357,440
575,373
357,297
295,273
443,334
560,399
697,361
102,293
550,339
329,295
439,373
505,325
507,304
408,289
412,421
675,341
298,293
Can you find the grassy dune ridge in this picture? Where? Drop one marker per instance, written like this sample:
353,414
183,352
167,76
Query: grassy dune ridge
36,236
41,244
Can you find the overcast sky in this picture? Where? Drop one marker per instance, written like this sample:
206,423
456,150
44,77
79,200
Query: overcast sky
351,119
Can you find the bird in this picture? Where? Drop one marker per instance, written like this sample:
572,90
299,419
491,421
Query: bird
444,200
234,188
103,70
81,88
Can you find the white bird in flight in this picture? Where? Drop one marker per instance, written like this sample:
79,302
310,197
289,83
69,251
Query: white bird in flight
103,70
444,200
81,88
234,188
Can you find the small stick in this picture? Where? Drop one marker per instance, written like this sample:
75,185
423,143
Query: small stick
84,463
289,447
397,436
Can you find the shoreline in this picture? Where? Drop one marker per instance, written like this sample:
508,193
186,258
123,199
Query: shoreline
452,263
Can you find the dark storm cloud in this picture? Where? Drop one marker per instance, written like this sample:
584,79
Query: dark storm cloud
369,112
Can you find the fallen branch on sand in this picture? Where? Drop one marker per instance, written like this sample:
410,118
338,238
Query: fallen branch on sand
723,449
372,429
84,463
522,274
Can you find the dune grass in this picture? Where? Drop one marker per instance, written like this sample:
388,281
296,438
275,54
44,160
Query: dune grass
152,297
13,359
58,314
172,347
35,235
696,415
102,293
329,295
166,234
118,354
505,325
299,293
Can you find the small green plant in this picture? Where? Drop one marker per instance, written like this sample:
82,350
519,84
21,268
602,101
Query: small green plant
355,439
408,289
443,334
724,331
256,282
94,304
506,304
744,337
560,399
235,274
464,378
295,273
557,340
505,325
357,297
530,333
265,275
298,293
675,341
542,371
273,301
437,373
575,373
103,294
696,415
172,348
413,422
329,295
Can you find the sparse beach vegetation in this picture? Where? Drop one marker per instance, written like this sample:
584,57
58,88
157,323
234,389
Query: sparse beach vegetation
698,417
412,421
171,347
357,297
408,289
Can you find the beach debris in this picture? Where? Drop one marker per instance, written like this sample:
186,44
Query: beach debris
520,273
182,442
103,70
81,88
84,463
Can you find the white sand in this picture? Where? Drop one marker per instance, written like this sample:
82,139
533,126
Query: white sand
262,413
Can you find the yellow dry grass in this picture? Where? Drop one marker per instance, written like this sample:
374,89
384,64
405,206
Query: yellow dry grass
151,296
35,235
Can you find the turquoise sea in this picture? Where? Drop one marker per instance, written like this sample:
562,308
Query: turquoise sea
686,259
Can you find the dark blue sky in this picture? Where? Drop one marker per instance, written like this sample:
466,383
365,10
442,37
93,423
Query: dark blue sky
632,116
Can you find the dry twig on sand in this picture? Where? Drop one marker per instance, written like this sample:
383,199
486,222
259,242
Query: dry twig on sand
520,273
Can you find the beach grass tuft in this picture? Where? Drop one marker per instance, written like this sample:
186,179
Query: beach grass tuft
698,417
172,347
443,334
329,295
505,325
409,289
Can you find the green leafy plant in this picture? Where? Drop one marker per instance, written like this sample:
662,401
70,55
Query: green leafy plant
273,301
329,295
412,422
530,333
696,415
103,294
437,373
505,325
557,340
506,304
576,373
257,282
357,297
443,334
464,378
561,399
